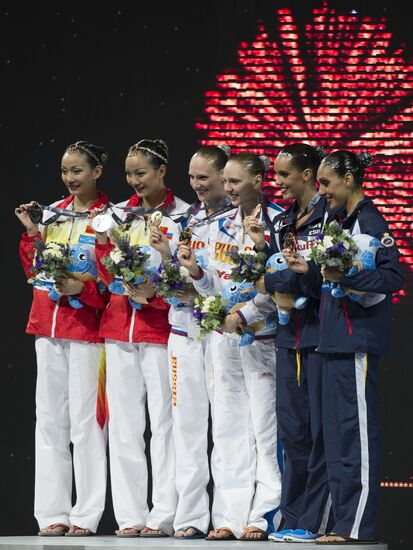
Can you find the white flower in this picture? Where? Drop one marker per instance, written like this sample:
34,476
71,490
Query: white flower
116,255
53,250
328,241
183,272
346,244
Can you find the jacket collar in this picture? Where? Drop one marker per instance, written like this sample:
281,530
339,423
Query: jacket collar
102,200
168,202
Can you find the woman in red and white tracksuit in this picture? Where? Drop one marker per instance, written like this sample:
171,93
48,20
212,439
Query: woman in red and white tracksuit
69,357
247,478
137,362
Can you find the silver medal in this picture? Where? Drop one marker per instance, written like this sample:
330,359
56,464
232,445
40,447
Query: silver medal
102,223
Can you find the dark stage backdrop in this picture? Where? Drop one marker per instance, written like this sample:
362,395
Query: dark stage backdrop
253,73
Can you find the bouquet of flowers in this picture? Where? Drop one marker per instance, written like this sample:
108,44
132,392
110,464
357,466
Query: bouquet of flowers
170,278
335,248
249,266
209,313
126,261
51,259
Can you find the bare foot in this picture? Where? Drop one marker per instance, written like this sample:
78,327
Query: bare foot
148,532
330,538
223,533
55,529
75,530
128,531
253,533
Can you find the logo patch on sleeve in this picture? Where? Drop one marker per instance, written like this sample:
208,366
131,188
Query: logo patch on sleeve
387,240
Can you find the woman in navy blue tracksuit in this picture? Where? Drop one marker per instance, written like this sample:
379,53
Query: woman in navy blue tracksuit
305,505
353,335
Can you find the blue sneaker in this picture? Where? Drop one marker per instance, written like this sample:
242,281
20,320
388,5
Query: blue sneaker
300,535
278,536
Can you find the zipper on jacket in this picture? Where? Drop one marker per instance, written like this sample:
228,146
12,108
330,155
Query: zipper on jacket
56,309
132,325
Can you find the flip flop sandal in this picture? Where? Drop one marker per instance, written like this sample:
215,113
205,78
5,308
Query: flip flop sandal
197,535
127,535
230,536
83,532
154,534
244,537
346,541
65,529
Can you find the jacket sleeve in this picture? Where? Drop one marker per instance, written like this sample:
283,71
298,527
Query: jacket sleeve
26,250
311,282
387,278
102,251
257,309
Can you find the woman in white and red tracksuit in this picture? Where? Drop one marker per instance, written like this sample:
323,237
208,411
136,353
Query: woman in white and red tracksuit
137,362
353,335
69,356
247,479
188,358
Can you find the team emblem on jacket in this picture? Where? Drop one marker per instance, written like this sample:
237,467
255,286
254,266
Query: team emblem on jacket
387,240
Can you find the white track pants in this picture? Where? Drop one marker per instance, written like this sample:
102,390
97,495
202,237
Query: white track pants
244,460
258,363
136,372
66,394
188,367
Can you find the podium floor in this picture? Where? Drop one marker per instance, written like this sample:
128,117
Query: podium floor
108,542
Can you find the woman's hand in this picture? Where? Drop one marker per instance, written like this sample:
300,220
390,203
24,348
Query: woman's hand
254,228
142,290
331,274
101,237
259,285
231,323
187,297
295,262
22,212
68,286
186,257
159,241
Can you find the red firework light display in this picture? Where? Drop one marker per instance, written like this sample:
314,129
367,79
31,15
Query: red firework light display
334,82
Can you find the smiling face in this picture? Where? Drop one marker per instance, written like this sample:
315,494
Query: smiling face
145,179
337,189
292,180
206,180
78,175
242,187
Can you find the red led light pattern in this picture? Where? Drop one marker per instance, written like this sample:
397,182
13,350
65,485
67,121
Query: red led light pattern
336,82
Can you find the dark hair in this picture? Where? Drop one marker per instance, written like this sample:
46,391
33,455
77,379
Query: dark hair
217,154
304,156
341,162
95,155
155,150
252,163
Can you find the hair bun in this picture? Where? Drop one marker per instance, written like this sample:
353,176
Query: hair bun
321,152
266,161
365,158
225,148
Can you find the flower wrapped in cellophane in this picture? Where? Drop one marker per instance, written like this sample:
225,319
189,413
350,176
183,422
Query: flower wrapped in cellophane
249,266
170,278
209,314
334,248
